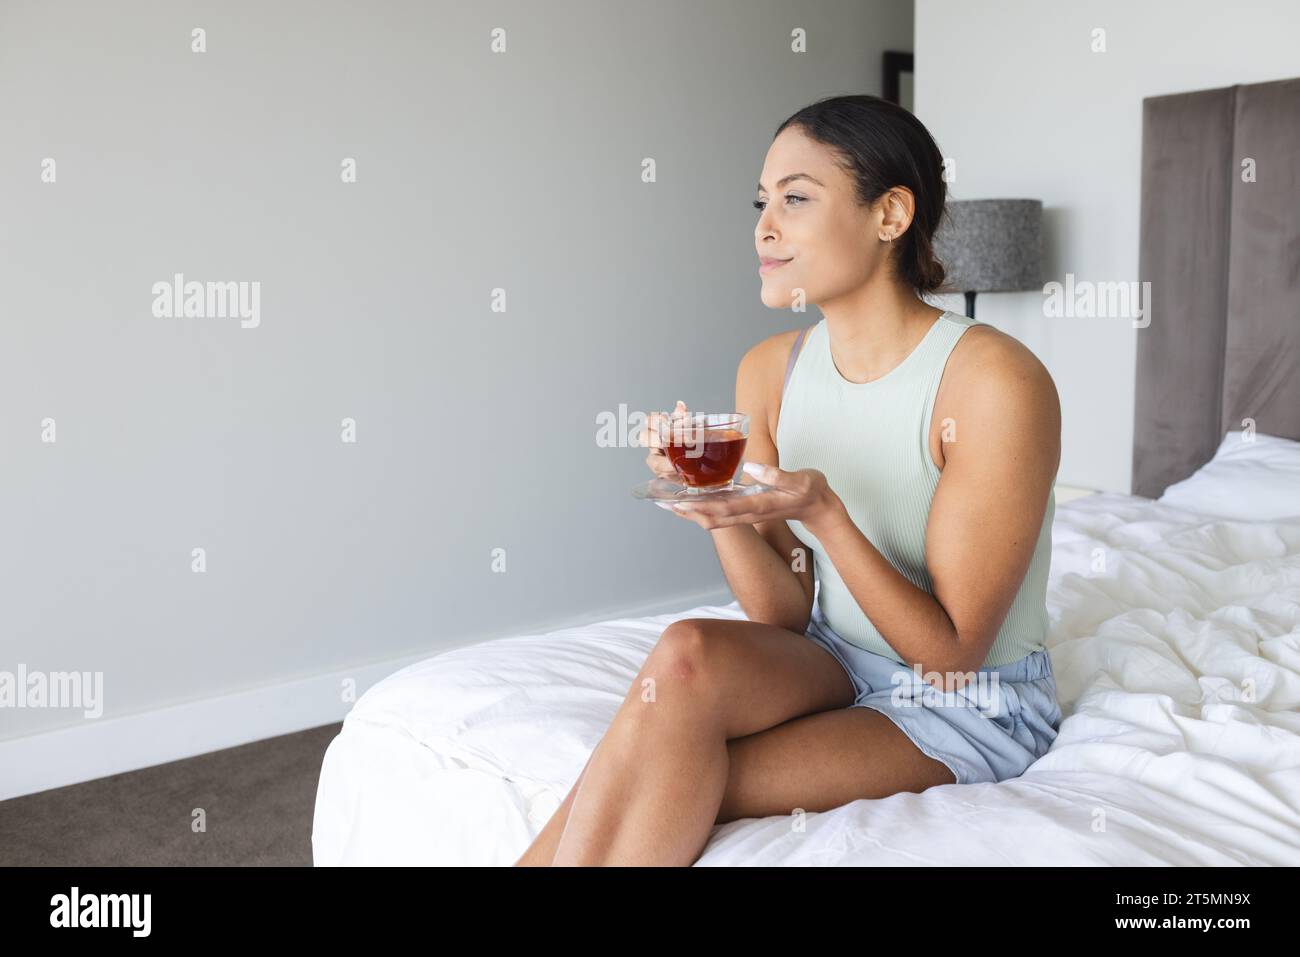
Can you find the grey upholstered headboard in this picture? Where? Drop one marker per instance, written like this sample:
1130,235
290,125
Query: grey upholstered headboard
1220,246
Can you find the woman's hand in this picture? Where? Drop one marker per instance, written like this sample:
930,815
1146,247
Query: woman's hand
657,459
804,496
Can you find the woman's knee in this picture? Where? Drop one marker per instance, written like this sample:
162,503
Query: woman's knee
686,651
686,658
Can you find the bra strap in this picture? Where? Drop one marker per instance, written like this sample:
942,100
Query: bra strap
794,354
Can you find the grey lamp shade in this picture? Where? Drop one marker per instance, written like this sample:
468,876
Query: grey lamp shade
991,245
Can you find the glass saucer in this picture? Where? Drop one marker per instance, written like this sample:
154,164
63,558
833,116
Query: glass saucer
664,492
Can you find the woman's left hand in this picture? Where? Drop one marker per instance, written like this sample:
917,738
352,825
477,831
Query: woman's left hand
804,496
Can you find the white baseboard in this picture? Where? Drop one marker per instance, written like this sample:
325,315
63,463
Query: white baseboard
100,747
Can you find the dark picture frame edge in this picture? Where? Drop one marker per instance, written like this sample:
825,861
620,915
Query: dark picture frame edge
894,63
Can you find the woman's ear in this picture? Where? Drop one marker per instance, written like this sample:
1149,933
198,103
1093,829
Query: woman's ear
899,208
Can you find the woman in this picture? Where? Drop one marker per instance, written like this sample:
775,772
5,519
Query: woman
917,452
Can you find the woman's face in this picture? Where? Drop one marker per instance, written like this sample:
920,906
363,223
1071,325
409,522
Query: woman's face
832,243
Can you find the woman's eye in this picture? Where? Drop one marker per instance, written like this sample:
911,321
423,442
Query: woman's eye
789,197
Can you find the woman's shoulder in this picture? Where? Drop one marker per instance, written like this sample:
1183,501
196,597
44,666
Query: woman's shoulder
762,373
766,360
989,369
986,353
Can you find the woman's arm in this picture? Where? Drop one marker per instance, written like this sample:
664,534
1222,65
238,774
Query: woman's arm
984,519
769,570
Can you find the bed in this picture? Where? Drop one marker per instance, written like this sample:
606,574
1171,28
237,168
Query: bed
1176,644
1175,636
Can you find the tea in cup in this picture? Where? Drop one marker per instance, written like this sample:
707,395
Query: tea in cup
705,449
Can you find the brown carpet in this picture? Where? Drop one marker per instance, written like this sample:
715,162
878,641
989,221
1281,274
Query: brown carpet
258,799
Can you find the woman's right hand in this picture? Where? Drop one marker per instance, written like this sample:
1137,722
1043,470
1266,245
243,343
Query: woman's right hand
657,459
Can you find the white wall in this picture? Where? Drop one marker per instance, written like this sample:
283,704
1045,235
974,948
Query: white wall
1012,92
476,430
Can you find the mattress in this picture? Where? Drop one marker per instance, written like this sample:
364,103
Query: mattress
1175,642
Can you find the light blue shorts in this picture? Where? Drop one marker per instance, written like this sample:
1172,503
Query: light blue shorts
990,730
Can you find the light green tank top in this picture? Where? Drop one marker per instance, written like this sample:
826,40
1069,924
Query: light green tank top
871,439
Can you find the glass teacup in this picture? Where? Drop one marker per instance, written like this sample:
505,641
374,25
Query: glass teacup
705,449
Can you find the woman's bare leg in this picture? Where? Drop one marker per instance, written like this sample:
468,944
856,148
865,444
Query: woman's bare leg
542,851
652,789
815,763
823,761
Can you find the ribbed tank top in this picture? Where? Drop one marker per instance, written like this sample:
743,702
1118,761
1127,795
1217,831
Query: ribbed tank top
871,439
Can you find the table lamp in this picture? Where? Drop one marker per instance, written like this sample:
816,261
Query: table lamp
991,245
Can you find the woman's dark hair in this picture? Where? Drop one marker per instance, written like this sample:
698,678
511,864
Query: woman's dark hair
883,145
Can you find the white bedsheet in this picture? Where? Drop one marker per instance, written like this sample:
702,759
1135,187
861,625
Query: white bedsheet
1176,647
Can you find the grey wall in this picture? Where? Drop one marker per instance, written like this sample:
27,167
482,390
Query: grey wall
475,429
1016,96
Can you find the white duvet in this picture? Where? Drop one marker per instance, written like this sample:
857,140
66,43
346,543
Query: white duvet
1176,647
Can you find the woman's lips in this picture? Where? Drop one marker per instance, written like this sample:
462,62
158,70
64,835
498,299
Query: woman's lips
767,265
